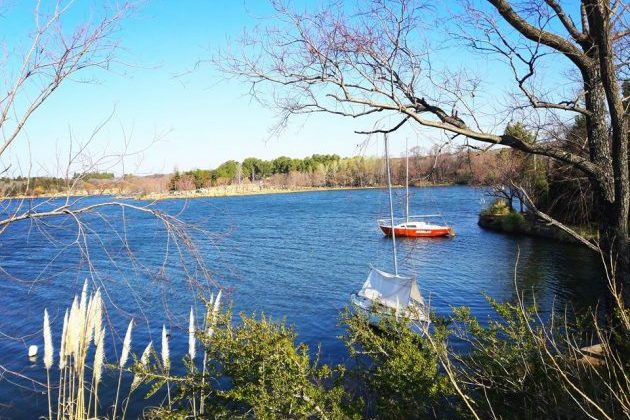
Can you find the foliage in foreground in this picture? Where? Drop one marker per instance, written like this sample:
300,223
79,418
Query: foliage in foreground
521,367
516,366
398,369
255,370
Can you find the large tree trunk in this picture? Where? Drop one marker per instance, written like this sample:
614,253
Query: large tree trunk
615,245
608,147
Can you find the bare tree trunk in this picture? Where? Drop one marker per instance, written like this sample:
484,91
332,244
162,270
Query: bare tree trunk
608,147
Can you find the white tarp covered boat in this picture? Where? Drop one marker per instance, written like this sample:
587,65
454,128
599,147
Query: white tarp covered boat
398,294
385,292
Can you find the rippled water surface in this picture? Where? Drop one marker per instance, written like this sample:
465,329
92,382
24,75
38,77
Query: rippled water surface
297,256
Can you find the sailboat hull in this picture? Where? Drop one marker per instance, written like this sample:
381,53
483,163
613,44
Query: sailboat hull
418,232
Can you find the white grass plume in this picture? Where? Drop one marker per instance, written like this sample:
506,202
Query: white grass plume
83,301
83,307
48,344
144,359
74,329
48,358
123,360
99,357
90,320
62,347
126,345
99,362
97,316
144,362
166,361
82,322
213,316
217,302
191,335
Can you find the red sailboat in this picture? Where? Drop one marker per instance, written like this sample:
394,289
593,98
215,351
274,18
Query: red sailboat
415,229
413,226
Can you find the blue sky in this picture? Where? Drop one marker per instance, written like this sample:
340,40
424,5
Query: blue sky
171,111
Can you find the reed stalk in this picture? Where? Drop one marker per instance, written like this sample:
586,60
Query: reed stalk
144,362
62,364
166,362
48,358
212,311
99,360
205,355
123,361
191,354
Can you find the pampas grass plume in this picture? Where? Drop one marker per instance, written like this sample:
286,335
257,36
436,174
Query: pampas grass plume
213,317
62,347
83,307
144,361
74,330
83,301
191,335
166,361
126,346
48,345
97,316
217,302
99,357
191,350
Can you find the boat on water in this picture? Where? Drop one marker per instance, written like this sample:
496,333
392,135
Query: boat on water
392,293
413,226
396,294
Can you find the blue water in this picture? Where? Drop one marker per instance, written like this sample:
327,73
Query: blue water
293,256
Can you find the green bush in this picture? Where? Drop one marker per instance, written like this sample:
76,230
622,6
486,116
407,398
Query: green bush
397,368
516,366
255,369
512,221
498,207
522,367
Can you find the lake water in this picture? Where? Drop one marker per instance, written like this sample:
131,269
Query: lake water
294,256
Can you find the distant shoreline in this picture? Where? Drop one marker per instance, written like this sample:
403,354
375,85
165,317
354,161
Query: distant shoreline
212,192
216,192
238,191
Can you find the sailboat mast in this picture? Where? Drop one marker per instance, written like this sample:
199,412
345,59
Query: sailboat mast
391,205
406,182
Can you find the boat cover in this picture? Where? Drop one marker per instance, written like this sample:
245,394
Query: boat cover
388,289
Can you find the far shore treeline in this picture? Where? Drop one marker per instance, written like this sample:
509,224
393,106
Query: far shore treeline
553,187
318,170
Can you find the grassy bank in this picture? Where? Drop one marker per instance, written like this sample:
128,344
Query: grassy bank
499,218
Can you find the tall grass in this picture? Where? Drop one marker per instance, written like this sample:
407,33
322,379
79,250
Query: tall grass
83,338
78,333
